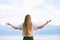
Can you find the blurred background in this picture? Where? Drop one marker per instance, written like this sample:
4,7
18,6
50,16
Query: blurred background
14,11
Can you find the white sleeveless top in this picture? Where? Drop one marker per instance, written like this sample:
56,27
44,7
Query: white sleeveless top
34,27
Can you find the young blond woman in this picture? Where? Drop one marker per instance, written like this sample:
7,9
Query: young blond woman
27,27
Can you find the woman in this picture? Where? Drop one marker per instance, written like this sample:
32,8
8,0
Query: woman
27,27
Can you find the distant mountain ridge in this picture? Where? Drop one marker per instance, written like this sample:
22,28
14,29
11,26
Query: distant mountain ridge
47,30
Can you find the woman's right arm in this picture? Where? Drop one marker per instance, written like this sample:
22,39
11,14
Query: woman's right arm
41,26
15,27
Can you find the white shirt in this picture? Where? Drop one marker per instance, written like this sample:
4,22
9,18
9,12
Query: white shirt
34,27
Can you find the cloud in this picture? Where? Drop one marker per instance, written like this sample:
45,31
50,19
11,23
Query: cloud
50,10
11,2
12,20
10,8
43,9
53,2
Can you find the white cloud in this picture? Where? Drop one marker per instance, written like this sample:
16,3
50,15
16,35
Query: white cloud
29,4
12,20
18,9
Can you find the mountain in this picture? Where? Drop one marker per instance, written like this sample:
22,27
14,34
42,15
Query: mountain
8,30
47,30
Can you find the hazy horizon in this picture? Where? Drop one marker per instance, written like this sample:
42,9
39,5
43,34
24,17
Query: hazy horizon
47,30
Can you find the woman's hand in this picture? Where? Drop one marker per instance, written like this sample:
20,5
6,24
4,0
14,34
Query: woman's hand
41,26
8,23
12,25
48,21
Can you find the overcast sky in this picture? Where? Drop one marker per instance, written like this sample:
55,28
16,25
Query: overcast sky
40,10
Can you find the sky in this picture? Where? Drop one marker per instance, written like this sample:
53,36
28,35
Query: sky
40,10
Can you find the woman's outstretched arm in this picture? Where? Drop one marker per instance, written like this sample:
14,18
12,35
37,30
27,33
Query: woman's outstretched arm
15,27
39,27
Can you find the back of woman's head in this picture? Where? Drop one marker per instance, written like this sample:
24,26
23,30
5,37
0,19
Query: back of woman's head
27,19
27,25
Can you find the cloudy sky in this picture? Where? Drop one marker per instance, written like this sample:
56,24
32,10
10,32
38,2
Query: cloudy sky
40,11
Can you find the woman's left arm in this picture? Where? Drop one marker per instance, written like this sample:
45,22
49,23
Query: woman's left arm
39,27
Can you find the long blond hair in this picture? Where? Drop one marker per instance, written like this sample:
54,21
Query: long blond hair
27,25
